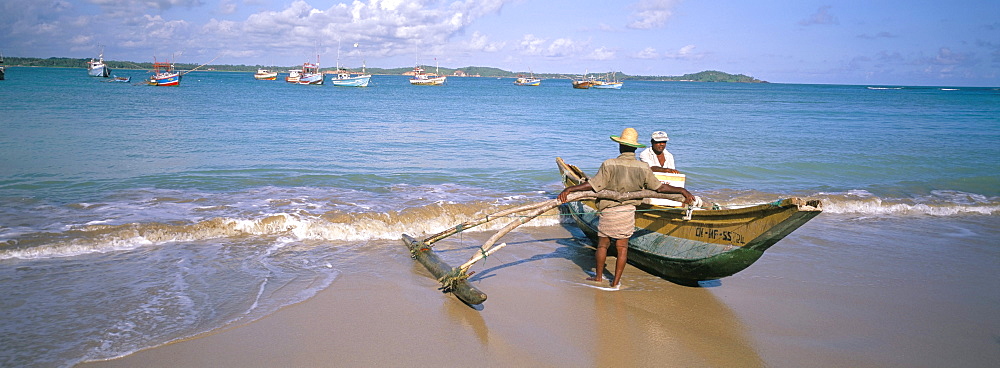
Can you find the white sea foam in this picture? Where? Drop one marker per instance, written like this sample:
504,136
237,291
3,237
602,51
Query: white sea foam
938,203
282,227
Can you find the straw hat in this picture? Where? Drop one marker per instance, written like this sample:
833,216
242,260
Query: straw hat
629,137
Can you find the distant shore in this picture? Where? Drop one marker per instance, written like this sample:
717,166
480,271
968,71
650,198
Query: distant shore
488,72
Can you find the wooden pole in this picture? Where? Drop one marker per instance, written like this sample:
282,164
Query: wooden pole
454,280
461,288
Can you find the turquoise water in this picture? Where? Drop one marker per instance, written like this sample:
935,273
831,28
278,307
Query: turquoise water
124,208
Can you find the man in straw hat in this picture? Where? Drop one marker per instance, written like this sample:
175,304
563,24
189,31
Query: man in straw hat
622,174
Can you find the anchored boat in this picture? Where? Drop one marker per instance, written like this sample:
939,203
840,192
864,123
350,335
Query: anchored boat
610,81
311,74
528,81
164,75
690,245
345,78
265,74
96,68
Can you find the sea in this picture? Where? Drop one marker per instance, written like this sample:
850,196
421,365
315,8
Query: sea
132,216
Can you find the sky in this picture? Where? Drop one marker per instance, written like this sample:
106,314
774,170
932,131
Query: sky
866,42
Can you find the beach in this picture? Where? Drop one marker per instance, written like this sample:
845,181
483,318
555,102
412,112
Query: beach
231,222
813,300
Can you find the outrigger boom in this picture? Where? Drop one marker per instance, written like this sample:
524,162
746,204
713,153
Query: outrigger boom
455,279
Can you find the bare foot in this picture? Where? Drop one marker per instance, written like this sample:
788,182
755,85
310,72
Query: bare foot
595,278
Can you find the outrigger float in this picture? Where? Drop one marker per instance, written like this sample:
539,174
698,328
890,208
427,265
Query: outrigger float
681,244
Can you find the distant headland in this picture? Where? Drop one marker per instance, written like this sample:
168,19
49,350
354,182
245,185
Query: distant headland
471,71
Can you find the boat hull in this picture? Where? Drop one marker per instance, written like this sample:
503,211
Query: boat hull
528,82
432,81
360,81
272,76
606,85
165,80
99,71
713,244
582,84
312,78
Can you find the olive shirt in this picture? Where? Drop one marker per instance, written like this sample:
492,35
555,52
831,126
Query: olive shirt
623,174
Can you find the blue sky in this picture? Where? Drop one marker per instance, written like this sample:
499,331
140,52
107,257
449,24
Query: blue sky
915,42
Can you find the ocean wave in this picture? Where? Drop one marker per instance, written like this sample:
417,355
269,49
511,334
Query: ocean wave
281,227
937,203
358,224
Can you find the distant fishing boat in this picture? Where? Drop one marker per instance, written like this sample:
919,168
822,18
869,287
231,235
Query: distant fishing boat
528,81
344,77
610,81
96,68
293,76
424,79
265,74
583,82
120,79
164,75
3,69
311,74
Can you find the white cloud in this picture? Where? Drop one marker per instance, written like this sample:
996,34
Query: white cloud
822,16
479,42
531,45
227,7
81,40
647,53
685,53
562,47
602,53
652,13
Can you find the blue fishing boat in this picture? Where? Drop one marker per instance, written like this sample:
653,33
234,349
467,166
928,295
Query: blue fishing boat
610,81
345,78
164,75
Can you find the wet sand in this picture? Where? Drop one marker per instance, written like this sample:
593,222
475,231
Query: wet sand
816,299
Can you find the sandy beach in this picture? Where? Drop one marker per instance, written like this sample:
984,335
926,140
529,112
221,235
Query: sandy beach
811,301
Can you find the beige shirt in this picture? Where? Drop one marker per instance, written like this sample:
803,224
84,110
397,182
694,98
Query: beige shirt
623,174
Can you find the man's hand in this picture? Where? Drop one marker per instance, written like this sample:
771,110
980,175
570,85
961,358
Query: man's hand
688,198
563,196
664,170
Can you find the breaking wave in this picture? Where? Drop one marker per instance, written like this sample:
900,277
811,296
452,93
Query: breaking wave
363,225
330,226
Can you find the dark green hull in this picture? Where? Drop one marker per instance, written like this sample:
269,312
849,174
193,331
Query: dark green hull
721,264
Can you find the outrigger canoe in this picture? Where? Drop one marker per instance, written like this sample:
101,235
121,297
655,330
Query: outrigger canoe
684,245
712,244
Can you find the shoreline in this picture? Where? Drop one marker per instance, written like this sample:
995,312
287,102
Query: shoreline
802,302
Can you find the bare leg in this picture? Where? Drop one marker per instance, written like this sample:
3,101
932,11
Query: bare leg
600,256
621,245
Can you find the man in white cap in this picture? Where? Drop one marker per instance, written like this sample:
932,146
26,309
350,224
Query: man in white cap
622,174
657,156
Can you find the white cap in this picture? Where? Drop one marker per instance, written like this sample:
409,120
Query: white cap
660,136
